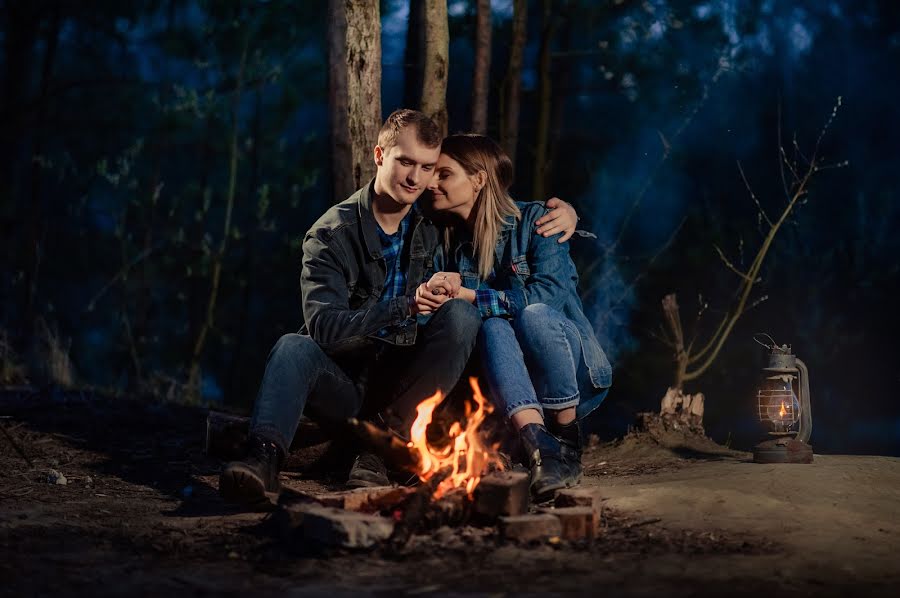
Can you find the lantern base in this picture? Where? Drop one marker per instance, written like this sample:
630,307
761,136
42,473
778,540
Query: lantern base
782,450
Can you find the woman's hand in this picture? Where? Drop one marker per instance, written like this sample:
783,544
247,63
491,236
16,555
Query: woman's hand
445,283
561,218
426,301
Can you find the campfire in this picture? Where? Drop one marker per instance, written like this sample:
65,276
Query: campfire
463,482
463,457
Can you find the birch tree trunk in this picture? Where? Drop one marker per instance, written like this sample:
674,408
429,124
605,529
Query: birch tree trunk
354,91
481,75
437,47
509,131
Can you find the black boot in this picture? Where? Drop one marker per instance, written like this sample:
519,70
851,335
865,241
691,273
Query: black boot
544,453
255,479
368,471
570,440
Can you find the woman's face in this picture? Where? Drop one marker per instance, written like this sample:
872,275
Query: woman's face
452,189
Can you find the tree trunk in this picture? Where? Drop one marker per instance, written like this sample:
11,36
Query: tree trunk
542,141
338,101
363,85
437,48
35,250
414,54
354,91
509,131
673,321
194,384
481,75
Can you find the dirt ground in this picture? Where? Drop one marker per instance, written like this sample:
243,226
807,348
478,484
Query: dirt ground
140,516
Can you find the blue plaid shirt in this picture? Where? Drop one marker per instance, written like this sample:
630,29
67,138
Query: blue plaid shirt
491,302
392,251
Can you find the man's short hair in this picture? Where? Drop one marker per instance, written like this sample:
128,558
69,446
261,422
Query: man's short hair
427,132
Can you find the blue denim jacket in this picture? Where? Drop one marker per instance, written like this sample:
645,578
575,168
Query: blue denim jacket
528,269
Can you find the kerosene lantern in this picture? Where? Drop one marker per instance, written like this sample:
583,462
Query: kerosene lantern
783,403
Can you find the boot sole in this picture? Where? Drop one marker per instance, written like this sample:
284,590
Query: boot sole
241,486
547,494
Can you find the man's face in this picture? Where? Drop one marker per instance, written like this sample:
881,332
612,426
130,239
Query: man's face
405,170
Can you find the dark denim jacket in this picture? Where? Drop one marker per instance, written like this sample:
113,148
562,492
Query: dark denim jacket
529,269
343,277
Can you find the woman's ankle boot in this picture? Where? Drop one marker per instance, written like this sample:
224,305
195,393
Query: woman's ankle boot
570,440
544,454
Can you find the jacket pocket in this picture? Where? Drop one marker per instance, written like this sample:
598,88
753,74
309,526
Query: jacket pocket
520,267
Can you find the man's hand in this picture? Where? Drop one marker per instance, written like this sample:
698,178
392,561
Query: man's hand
561,218
445,283
426,301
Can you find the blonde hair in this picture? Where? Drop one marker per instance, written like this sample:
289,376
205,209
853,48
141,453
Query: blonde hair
493,206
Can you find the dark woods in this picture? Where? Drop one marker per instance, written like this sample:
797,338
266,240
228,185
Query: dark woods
161,161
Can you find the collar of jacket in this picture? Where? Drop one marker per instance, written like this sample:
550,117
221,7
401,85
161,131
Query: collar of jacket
370,225
465,237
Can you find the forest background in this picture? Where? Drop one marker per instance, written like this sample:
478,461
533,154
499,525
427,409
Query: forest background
162,159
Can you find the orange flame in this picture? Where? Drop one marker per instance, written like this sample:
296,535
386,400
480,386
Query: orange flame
782,412
466,457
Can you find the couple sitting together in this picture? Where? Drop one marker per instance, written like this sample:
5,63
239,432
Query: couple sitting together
396,295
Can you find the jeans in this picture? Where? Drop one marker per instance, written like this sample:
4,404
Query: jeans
300,378
533,362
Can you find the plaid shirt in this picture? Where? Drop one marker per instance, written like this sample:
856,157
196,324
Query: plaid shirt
490,302
392,251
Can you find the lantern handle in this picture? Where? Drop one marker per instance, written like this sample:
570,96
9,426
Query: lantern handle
805,429
763,334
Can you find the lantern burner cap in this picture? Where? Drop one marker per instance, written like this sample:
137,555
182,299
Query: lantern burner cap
782,450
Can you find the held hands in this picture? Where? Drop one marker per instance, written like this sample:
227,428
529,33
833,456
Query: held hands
431,295
445,283
425,301
561,218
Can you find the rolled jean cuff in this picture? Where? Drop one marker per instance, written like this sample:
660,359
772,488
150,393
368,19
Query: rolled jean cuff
558,404
513,409
270,432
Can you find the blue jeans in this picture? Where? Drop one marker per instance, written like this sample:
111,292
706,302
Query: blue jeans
533,362
300,378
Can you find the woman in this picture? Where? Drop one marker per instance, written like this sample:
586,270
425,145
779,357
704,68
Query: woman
541,358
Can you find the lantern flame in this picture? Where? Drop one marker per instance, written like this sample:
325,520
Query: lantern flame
466,457
782,412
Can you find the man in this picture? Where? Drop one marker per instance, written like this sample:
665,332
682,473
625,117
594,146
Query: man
362,347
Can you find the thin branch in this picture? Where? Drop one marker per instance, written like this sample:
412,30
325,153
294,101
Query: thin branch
731,266
664,338
752,194
752,274
122,273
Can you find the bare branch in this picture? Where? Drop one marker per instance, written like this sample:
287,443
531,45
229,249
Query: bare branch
752,194
731,266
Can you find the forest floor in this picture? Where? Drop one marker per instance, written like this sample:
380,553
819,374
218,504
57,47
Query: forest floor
140,516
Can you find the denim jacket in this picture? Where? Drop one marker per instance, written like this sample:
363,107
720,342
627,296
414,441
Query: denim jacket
344,272
530,268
